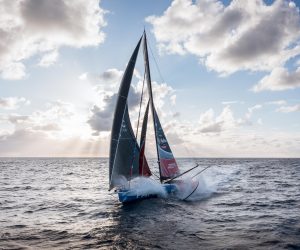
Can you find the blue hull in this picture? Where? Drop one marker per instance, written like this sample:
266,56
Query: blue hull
132,195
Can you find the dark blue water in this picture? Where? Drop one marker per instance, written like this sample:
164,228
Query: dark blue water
64,204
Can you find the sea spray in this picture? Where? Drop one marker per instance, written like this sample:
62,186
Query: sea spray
145,186
209,182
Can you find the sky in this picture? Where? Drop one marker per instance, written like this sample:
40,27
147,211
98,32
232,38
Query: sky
226,75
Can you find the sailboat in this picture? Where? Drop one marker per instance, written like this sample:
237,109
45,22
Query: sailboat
127,158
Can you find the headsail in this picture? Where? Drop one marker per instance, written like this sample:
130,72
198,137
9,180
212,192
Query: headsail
144,169
121,149
168,165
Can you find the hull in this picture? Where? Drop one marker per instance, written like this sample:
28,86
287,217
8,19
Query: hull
126,196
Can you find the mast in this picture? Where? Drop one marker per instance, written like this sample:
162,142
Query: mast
148,77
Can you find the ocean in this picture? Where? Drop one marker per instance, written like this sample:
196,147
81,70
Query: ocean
63,203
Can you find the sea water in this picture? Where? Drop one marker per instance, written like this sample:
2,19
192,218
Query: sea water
63,203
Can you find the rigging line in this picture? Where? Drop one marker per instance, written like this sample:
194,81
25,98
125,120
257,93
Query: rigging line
156,64
137,128
181,174
202,171
156,175
192,192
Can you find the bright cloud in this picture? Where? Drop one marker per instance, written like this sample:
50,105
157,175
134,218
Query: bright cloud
289,109
279,79
32,27
48,59
57,120
226,136
57,129
208,123
12,102
279,102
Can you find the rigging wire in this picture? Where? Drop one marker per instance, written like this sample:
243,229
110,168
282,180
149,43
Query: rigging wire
156,64
188,151
156,175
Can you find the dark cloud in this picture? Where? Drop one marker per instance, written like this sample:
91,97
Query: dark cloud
243,35
41,27
212,128
101,118
264,39
54,14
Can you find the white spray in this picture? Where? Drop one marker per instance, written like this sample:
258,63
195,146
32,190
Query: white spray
145,186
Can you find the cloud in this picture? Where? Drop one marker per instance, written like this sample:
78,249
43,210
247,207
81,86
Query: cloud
57,120
108,80
289,109
58,129
222,134
230,102
209,124
245,35
13,102
279,102
12,70
41,27
107,85
101,118
48,59
248,115
253,108
279,79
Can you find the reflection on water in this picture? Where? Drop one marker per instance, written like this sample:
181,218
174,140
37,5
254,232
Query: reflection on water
64,204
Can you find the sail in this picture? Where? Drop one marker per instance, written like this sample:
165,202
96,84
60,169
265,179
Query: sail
144,169
118,151
127,156
168,165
